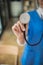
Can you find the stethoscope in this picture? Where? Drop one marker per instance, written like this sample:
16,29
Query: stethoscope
24,18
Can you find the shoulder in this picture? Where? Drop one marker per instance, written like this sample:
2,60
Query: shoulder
31,12
32,17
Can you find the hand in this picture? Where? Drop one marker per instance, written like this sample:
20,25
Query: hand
18,29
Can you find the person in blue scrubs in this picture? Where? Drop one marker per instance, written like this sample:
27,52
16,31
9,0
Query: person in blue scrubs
32,55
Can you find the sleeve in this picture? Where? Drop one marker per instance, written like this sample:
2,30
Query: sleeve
20,43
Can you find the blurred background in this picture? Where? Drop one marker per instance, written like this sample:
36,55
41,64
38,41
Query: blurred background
10,10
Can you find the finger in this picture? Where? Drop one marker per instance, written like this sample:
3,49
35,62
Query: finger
21,26
15,28
15,31
26,27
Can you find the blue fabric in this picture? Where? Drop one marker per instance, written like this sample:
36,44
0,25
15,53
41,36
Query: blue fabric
33,55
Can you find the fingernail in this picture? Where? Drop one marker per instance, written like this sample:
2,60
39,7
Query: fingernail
23,29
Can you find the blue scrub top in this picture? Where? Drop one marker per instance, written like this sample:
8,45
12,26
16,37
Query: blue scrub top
33,55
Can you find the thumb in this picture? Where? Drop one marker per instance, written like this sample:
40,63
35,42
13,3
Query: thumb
26,28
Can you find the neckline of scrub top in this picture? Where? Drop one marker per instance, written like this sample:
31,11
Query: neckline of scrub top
38,16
